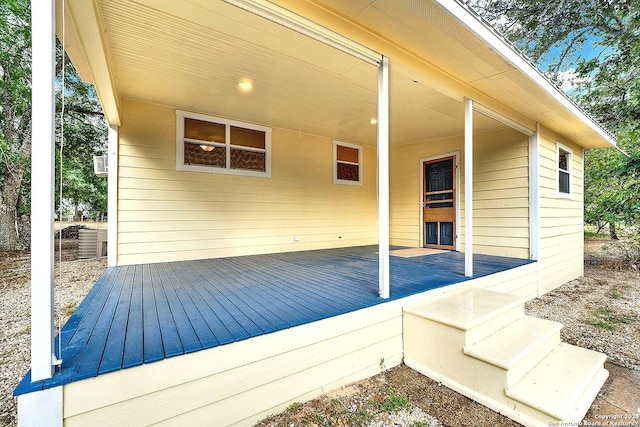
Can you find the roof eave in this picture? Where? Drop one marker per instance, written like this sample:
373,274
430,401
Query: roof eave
467,17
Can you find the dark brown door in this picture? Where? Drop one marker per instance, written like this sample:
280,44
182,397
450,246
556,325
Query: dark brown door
439,203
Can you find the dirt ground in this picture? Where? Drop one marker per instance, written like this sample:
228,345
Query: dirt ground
600,311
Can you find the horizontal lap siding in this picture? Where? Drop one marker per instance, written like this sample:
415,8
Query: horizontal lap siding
501,192
561,220
169,215
500,182
244,381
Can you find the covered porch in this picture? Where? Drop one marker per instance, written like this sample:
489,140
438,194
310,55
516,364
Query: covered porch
144,313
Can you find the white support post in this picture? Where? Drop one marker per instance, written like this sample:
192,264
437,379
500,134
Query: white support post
534,195
383,177
534,202
42,188
468,187
112,197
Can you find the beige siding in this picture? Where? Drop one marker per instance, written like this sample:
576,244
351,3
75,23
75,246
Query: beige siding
561,220
242,382
500,185
169,215
501,192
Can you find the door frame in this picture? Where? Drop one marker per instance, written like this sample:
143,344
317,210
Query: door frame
456,156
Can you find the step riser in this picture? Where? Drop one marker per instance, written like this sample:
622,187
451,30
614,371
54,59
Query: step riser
517,372
509,375
493,325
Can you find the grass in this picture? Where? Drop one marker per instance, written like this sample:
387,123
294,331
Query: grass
391,403
340,411
604,319
593,235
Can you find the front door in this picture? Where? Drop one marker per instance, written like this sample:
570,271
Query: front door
439,203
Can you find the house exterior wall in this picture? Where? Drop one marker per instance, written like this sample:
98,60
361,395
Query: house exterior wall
561,219
501,199
169,215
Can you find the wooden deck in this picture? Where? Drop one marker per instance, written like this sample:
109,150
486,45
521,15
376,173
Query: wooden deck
140,314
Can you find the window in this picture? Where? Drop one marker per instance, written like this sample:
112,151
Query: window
564,156
211,144
347,163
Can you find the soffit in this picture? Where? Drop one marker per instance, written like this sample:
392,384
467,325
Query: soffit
443,41
191,54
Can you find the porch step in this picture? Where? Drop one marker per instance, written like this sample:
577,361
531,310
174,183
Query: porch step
481,344
563,382
477,312
518,347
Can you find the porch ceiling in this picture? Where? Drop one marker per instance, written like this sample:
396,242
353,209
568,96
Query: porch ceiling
191,55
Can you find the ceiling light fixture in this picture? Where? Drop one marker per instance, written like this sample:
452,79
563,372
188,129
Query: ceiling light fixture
245,85
373,121
207,148
297,23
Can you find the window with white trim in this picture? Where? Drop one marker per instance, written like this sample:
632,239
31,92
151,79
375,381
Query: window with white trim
564,158
212,144
347,163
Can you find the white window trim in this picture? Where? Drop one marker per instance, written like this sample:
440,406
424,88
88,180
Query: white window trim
568,150
335,163
180,166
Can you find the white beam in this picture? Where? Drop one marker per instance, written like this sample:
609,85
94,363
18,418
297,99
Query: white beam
42,187
383,177
468,187
112,197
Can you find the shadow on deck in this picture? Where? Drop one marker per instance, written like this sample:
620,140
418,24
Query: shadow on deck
140,314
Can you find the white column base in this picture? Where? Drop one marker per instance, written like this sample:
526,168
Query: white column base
40,408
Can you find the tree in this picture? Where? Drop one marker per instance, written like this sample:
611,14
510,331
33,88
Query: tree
85,133
597,45
15,117
84,128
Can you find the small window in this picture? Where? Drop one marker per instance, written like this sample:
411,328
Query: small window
347,163
216,145
564,156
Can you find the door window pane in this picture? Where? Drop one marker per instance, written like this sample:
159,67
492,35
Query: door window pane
446,233
431,233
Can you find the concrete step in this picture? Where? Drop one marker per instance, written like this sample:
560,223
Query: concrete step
517,347
477,312
564,384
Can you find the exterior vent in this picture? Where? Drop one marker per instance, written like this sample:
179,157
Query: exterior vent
92,243
101,165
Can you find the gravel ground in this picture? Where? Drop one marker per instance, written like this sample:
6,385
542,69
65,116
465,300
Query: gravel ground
73,282
600,311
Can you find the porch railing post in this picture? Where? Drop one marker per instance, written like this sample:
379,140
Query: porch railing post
468,187
383,177
42,187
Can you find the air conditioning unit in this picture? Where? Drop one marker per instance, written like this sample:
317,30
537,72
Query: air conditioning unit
101,165
92,243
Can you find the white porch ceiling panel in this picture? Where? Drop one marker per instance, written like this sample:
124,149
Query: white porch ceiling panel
439,32
191,54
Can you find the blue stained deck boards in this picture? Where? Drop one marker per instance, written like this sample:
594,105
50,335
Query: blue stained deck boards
140,314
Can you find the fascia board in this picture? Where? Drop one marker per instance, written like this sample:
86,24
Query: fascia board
82,26
488,35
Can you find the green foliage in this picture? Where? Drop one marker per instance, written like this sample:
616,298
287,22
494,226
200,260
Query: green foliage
82,121
392,402
606,84
605,319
